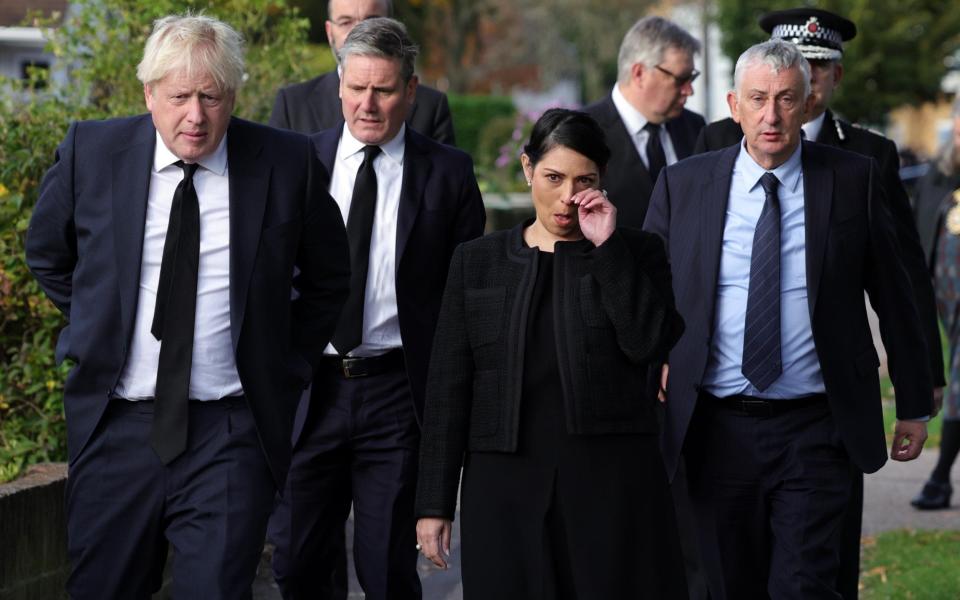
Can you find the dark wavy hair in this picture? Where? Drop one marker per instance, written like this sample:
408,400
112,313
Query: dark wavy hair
569,128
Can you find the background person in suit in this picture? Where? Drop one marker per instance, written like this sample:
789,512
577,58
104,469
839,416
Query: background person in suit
314,105
772,244
169,241
819,35
408,202
643,118
938,219
554,428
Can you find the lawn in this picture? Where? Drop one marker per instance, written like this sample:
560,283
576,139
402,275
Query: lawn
920,565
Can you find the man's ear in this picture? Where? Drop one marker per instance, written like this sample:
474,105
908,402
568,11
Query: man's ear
732,103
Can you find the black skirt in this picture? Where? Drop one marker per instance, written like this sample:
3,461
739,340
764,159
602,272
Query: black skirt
566,516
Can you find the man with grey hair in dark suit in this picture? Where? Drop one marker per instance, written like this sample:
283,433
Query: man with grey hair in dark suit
314,105
408,202
643,117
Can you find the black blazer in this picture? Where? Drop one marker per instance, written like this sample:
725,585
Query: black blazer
840,134
850,247
627,181
933,198
616,309
314,105
85,244
440,207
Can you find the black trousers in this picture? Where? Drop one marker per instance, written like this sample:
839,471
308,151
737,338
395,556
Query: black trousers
211,504
359,447
769,495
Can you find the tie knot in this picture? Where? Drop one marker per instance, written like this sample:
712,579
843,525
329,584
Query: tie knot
770,183
652,128
370,153
188,168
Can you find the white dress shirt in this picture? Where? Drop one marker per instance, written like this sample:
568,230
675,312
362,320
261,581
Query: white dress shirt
213,371
381,325
811,129
634,121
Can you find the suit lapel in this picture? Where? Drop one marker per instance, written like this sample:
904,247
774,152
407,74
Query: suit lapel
621,141
132,165
249,180
416,172
682,144
326,91
326,144
817,197
714,197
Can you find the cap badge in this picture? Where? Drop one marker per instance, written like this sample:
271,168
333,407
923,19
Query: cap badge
813,25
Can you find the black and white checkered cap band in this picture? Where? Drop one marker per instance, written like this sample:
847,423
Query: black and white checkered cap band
815,52
822,34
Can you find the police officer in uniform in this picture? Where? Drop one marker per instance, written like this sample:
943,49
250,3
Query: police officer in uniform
820,35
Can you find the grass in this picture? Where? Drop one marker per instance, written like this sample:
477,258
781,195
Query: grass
919,565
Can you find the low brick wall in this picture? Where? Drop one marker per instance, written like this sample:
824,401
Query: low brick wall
33,535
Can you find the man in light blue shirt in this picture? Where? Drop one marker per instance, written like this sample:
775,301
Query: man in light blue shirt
773,396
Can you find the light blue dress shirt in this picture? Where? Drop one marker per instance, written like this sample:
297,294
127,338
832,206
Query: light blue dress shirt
801,374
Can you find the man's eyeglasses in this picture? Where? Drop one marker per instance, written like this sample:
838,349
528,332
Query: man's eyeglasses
681,80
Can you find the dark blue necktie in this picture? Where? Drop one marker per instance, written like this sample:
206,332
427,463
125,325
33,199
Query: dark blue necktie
761,336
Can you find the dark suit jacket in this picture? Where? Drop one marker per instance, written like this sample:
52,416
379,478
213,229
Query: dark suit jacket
314,105
627,181
934,198
85,244
440,207
850,245
615,303
841,134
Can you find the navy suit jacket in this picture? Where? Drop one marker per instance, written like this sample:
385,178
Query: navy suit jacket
440,207
314,105
626,179
85,245
851,246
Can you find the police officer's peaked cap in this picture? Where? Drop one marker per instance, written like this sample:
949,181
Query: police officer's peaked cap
817,33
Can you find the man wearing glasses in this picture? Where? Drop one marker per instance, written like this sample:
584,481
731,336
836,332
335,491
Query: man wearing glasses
646,125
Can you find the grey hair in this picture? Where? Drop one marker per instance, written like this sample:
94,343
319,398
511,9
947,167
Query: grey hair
382,37
648,40
197,45
776,54
388,4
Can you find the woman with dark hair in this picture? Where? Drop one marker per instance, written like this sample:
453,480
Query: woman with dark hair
538,391
937,209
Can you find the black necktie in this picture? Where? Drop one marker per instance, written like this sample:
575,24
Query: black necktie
656,159
176,297
349,333
761,335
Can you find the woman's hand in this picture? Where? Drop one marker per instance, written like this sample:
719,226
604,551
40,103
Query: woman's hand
433,539
598,217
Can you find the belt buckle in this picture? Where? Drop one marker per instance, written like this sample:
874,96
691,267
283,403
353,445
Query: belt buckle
345,367
757,407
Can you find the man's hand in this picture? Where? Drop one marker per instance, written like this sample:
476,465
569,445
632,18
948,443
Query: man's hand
664,375
433,538
908,439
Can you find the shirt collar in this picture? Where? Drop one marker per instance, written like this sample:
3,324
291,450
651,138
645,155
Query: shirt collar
632,118
215,162
789,173
812,128
393,149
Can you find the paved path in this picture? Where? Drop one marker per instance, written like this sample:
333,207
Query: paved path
887,495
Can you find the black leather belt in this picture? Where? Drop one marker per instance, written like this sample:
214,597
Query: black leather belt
365,366
760,407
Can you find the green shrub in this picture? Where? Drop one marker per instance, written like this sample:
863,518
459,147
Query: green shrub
99,45
473,114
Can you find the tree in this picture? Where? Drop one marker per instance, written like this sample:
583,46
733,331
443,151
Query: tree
98,45
897,58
